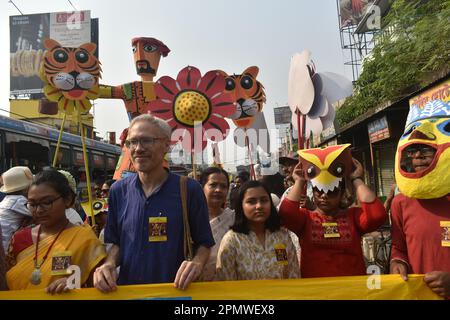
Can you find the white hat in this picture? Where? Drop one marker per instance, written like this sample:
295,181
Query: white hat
16,179
71,179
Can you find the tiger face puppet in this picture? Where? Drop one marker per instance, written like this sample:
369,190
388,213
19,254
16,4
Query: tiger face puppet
249,95
71,75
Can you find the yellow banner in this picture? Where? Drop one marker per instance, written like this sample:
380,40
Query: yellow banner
384,287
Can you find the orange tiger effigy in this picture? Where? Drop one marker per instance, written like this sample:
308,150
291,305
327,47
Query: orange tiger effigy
249,96
71,75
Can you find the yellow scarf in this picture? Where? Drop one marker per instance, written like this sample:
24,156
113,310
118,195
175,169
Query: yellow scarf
79,242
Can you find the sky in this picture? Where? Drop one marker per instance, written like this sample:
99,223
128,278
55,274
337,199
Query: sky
230,35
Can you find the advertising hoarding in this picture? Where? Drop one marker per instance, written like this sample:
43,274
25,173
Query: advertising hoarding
27,34
352,11
282,115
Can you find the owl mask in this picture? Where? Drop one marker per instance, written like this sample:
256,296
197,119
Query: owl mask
326,167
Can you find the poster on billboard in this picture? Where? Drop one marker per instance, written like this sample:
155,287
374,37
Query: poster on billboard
352,11
282,115
27,34
71,29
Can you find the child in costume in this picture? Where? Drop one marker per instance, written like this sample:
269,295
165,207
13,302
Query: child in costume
330,236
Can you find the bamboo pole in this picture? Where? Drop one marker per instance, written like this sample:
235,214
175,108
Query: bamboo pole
86,168
55,157
194,166
249,150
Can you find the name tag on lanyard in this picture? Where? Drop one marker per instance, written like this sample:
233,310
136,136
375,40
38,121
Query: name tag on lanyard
60,262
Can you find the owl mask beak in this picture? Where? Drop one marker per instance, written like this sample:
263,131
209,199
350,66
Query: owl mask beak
326,167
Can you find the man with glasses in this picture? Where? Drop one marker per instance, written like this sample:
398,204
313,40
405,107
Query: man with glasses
145,220
421,211
420,156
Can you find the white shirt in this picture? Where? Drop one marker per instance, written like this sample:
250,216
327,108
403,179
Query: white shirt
219,226
13,211
73,216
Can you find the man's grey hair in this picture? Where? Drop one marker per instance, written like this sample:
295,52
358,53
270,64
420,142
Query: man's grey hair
162,125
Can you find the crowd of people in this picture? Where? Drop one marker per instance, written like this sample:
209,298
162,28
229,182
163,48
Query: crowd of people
159,227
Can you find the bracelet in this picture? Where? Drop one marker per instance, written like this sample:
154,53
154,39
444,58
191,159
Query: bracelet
355,178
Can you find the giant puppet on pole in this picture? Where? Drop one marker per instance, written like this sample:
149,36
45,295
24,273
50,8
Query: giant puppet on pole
195,107
136,95
249,97
311,96
187,103
71,78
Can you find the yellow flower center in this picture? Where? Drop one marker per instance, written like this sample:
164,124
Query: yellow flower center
191,106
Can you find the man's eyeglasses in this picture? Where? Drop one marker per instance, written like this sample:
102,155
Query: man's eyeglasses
424,151
45,205
144,142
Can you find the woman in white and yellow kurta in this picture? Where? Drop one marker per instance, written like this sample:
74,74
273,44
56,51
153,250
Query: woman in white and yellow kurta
257,247
215,182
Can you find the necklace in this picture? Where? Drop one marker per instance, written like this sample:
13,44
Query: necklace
36,275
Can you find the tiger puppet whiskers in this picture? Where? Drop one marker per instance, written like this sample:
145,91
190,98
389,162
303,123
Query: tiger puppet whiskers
249,95
71,75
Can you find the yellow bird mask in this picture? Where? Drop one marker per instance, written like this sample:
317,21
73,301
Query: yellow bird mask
428,126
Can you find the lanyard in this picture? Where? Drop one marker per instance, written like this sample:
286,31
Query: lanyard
50,248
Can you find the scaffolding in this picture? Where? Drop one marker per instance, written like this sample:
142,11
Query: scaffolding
357,46
357,40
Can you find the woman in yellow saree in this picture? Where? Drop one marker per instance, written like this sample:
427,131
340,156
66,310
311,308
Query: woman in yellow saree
39,256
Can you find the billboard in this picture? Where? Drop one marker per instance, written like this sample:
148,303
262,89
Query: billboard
27,34
352,11
282,115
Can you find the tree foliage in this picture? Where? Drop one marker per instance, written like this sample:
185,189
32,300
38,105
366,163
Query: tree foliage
414,47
